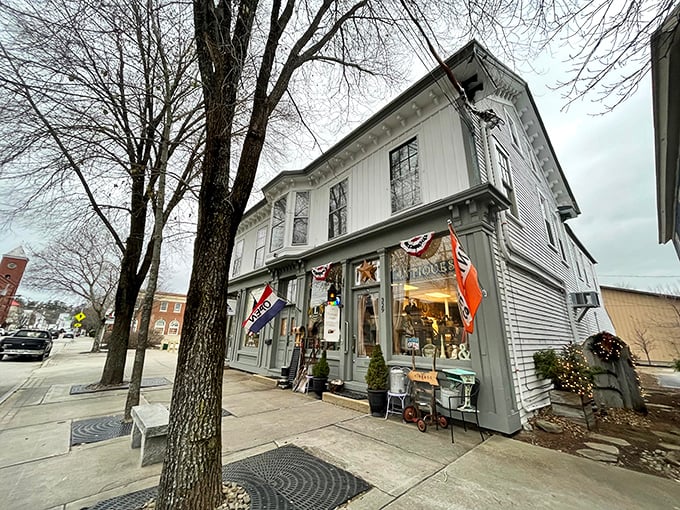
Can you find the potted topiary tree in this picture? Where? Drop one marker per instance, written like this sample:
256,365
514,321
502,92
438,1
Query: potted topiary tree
377,378
320,375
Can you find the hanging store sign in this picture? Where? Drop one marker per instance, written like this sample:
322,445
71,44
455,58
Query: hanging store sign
331,324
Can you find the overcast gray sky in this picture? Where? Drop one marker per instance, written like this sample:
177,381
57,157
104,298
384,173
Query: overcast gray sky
609,163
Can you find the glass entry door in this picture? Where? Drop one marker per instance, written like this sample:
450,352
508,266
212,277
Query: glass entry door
285,337
366,334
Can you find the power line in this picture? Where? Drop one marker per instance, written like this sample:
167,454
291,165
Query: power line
638,276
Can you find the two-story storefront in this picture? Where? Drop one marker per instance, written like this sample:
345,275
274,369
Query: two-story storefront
357,242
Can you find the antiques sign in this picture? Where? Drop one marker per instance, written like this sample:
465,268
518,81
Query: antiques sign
423,270
426,377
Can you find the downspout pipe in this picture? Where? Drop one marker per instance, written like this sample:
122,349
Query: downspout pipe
503,241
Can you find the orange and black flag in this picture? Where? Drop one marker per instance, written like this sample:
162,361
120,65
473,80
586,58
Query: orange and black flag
469,292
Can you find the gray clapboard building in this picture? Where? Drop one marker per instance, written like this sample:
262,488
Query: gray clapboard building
329,238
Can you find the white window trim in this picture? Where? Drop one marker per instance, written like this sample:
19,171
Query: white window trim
263,247
514,133
238,258
419,171
328,216
548,222
174,324
163,306
159,325
501,183
177,308
295,217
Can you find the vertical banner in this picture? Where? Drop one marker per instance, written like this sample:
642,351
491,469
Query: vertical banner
331,324
469,292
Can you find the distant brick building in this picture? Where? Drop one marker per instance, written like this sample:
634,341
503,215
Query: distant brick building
12,267
167,314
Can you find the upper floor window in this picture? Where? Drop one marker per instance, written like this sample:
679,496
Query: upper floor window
259,247
291,291
164,306
177,308
513,130
404,176
301,217
238,257
173,328
577,261
278,224
506,179
547,220
337,210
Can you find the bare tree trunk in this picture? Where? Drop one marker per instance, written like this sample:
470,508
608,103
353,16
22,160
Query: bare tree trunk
140,351
128,286
98,335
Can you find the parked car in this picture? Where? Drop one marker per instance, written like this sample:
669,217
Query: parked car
36,343
68,334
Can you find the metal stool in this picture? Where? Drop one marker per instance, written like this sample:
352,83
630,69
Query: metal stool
392,398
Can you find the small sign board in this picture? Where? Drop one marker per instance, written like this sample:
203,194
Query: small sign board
77,325
79,317
413,343
426,377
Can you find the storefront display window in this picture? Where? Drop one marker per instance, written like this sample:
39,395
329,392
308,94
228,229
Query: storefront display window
323,328
425,317
249,340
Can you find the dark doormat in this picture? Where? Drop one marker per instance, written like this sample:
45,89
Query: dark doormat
93,388
94,430
354,395
287,478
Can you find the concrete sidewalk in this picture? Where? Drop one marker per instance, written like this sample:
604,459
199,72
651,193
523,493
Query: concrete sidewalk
407,469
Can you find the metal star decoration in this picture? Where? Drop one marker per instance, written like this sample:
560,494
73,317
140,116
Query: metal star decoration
366,272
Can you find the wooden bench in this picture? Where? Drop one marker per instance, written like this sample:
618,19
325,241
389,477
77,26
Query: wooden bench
150,432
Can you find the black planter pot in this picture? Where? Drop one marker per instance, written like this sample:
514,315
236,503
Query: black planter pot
319,385
377,400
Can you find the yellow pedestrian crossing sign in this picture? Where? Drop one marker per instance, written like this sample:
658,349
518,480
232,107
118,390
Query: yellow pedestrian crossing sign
79,317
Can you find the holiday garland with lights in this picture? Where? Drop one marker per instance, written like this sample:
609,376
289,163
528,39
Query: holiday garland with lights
606,346
568,370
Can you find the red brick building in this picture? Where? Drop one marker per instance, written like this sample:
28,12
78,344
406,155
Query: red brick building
12,267
167,315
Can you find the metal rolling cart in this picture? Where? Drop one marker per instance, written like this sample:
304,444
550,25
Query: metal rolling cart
423,408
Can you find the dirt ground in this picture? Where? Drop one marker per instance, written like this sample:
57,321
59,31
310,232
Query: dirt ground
651,436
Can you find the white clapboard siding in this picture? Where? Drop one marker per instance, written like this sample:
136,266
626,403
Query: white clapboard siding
537,313
443,172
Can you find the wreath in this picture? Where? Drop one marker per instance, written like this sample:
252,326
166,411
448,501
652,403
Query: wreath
607,347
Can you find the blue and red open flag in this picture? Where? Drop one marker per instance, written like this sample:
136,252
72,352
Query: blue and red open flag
265,310
469,292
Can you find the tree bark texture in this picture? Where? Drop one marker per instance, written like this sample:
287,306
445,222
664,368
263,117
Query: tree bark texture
142,340
129,284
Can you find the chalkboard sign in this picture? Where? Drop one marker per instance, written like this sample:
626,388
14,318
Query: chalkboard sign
294,365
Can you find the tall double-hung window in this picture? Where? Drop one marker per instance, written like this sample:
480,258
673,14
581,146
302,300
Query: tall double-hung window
404,176
547,219
278,224
259,247
506,179
301,217
337,210
238,258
